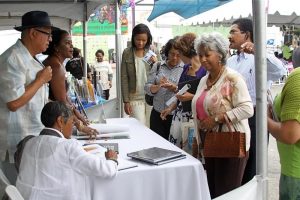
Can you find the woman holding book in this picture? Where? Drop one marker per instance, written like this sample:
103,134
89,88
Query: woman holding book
192,73
162,84
134,73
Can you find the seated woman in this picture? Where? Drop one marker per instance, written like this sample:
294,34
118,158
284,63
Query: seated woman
59,49
53,166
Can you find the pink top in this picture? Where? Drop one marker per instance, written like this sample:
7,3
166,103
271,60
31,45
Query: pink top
201,114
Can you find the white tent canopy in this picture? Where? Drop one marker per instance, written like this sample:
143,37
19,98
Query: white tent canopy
279,13
63,13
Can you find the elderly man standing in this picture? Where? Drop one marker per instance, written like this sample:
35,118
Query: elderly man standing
23,83
241,39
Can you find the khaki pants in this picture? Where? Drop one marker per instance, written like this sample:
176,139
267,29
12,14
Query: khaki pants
141,111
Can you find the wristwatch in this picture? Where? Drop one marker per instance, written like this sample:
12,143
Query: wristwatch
216,119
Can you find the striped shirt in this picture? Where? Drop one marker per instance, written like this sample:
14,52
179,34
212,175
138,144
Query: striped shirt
245,65
163,94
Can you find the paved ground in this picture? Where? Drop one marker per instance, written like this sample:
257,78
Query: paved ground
273,160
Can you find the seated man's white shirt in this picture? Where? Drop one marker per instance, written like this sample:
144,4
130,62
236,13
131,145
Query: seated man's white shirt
57,168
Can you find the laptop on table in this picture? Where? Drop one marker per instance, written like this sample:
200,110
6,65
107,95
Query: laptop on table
156,155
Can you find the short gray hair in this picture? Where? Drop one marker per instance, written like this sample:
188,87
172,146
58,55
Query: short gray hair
54,109
215,42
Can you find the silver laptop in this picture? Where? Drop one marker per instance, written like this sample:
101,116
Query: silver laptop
156,155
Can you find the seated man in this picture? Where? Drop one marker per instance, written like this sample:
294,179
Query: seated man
53,166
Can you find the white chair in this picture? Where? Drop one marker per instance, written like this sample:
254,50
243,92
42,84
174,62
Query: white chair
3,183
8,189
13,193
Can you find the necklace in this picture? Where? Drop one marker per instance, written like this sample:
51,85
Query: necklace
210,83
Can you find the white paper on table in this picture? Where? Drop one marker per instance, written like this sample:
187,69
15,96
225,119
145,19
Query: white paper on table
95,149
125,164
119,135
100,151
109,128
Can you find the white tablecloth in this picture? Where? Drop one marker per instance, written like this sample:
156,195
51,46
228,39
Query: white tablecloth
180,180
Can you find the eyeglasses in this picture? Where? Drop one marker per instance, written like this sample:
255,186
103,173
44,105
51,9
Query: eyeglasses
173,54
44,32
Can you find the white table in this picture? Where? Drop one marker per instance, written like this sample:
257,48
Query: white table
180,180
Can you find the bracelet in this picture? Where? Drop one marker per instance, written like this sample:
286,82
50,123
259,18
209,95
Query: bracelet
113,159
72,107
80,126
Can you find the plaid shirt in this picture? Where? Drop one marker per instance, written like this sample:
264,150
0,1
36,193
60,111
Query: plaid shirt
163,95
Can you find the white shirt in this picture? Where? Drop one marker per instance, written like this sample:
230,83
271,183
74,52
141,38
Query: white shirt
245,64
57,168
18,69
103,69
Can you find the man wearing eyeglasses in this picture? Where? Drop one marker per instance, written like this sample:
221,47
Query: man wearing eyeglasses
23,83
241,39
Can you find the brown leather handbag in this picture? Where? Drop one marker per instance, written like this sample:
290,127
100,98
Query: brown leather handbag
230,144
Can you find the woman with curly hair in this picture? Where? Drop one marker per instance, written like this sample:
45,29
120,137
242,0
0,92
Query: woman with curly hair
192,71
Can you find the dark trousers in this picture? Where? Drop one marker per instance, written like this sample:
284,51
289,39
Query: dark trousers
159,126
250,170
224,174
105,94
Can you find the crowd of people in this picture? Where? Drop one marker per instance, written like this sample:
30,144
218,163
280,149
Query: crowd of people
37,115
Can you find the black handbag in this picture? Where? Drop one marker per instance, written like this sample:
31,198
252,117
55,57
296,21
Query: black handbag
149,98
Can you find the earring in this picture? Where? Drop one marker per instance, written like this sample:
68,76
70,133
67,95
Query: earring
220,60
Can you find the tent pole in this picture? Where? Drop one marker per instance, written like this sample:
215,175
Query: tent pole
260,23
133,16
84,33
119,105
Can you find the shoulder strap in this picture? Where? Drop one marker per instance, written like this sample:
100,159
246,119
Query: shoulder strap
19,152
49,132
21,145
157,67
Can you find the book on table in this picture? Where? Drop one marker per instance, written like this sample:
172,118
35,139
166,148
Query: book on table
156,155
